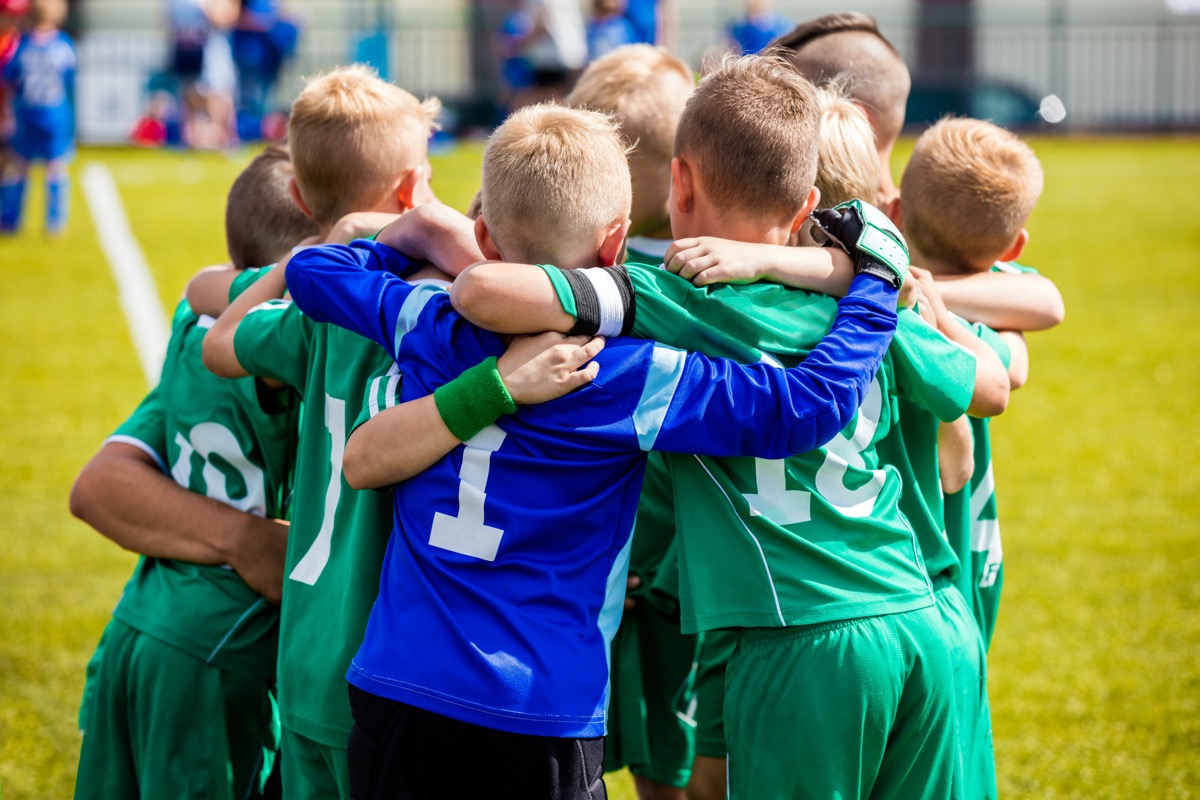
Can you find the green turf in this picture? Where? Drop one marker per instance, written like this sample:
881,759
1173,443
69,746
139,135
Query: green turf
1095,671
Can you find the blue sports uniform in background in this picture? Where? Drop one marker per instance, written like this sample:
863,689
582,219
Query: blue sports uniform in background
42,76
504,578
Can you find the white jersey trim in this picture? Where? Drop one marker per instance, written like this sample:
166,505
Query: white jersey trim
140,445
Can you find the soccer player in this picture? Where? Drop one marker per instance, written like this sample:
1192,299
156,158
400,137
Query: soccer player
809,557
968,190
358,144
179,697
42,72
505,574
658,724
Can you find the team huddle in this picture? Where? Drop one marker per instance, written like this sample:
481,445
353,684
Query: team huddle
671,454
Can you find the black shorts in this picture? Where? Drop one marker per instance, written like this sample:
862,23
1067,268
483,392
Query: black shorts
400,751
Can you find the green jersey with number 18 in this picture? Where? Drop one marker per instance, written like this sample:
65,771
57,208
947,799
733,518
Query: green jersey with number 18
338,535
813,538
213,437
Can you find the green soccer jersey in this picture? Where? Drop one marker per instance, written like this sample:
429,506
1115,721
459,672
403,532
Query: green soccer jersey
971,519
816,537
213,437
339,535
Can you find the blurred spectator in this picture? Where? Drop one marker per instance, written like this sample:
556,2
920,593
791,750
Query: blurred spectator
555,48
42,75
757,28
201,65
11,12
645,21
262,40
607,28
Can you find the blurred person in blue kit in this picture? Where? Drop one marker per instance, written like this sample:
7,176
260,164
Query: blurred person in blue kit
41,78
262,39
758,26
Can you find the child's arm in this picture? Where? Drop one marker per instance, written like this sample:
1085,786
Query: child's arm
1018,363
435,233
956,454
707,260
509,298
208,290
1004,301
991,378
407,439
359,225
124,494
762,410
219,355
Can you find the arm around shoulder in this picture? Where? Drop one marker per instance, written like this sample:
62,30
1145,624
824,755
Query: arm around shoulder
1004,301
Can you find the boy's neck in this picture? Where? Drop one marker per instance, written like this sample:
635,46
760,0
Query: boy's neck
938,266
734,225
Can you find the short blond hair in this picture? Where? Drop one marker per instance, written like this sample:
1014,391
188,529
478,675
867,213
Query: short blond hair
645,88
751,127
552,177
967,191
847,164
352,134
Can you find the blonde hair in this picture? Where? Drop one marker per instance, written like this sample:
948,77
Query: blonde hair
352,135
552,177
645,88
967,192
262,221
847,164
751,126
848,46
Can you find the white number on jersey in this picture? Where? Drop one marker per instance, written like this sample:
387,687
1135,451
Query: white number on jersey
782,506
309,568
210,439
985,533
466,533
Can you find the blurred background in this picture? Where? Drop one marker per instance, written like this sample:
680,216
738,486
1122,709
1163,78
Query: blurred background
1054,64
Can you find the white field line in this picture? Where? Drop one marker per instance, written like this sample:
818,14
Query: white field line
135,285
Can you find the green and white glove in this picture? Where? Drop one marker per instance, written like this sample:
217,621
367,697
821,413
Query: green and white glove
869,237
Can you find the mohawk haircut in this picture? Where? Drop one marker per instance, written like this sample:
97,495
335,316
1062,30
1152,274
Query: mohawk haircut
848,46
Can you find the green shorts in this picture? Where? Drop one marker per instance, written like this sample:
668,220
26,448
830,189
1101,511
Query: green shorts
974,720
313,771
160,723
716,647
856,708
651,724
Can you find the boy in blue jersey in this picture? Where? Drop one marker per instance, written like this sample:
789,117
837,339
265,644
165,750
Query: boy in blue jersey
504,577
42,72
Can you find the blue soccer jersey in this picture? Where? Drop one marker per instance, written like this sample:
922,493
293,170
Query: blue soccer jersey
42,72
504,578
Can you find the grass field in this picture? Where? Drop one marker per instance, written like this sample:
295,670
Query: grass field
1095,670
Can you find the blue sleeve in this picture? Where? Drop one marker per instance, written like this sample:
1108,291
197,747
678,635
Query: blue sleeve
696,404
352,286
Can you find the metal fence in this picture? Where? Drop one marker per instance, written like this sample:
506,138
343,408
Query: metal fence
1111,71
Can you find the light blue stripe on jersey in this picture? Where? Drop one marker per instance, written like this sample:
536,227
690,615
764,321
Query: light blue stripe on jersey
414,304
610,612
666,369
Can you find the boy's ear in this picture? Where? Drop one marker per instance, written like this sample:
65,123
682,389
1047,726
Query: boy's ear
613,244
295,190
413,189
1015,249
683,185
483,238
892,209
810,204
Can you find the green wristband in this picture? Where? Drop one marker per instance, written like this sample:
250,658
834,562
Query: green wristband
474,400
